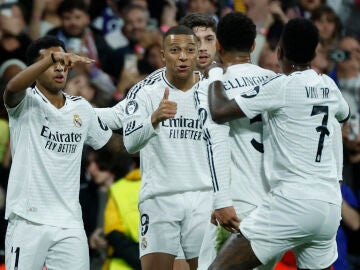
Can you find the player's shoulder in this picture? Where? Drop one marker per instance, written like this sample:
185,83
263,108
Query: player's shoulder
275,78
327,79
148,84
78,102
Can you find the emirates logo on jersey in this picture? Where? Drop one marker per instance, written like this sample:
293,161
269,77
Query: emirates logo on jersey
77,120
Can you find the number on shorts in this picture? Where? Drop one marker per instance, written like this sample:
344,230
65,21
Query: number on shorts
144,224
322,129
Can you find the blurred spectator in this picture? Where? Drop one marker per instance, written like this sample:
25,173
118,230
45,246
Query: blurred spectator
110,23
347,74
44,17
138,34
109,19
269,19
135,70
268,59
329,26
203,6
320,63
13,39
344,9
79,84
168,15
104,167
308,6
352,22
153,56
121,221
79,37
7,71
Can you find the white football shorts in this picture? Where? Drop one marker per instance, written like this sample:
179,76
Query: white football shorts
30,245
308,227
213,235
170,222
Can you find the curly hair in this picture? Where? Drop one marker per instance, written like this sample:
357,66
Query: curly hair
236,32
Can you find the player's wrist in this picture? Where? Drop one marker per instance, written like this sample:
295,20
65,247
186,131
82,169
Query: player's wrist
215,74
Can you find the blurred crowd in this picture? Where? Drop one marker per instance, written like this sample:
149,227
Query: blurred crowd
124,37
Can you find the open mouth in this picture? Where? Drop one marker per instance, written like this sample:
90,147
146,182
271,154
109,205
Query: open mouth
59,79
183,68
203,59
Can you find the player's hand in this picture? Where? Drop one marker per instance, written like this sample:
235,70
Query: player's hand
97,239
167,109
227,218
69,60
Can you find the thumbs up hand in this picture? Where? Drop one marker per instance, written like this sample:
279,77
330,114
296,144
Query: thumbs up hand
167,109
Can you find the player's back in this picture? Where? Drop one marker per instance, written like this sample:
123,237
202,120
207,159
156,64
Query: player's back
299,136
249,185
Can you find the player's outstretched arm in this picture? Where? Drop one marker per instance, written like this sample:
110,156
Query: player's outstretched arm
16,87
222,109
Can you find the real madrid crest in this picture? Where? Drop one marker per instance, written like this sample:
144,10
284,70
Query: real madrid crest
131,107
143,243
77,121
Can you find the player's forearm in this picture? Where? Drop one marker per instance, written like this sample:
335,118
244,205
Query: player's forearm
221,108
116,144
137,134
29,75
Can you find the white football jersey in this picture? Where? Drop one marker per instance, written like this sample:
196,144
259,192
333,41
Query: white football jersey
245,167
298,133
172,156
46,146
113,116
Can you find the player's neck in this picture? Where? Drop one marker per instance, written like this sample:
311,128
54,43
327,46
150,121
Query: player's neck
56,98
293,67
234,58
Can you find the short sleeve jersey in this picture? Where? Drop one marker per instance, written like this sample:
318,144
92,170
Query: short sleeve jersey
298,134
172,156
46,146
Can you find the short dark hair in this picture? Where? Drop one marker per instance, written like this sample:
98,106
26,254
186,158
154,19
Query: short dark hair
179,30
192,20
299,40
126,9
33,51
236,32
70,5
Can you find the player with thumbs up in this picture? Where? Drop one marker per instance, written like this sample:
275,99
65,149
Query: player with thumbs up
161,122
166,109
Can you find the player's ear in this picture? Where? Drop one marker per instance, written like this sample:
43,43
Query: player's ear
280,53
218,47
162,55
253,47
